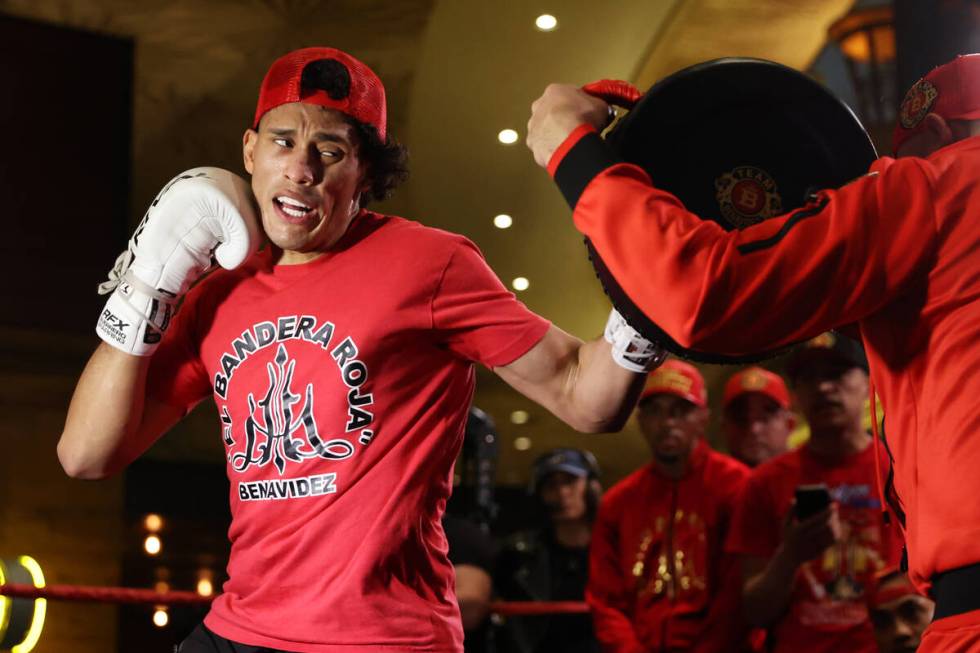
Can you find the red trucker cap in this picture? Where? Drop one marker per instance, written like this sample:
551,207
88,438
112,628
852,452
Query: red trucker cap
951,91
677,378
756,379
326,77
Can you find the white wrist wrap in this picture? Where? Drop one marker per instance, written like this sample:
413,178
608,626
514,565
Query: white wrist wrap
630,350
135,315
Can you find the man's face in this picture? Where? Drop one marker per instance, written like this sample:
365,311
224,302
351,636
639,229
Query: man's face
563,494
671,426
831,393
899,624
306,176
756,428
938,133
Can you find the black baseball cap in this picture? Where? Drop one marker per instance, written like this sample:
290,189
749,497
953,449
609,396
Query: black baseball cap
829,344
577,462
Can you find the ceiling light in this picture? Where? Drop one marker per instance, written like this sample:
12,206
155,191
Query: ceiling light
152,545
519,417
520,283
153,522
507,136
204,587
160,617
503,221
546,22
522,443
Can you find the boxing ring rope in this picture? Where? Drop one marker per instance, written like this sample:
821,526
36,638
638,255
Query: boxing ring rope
95,594
128,595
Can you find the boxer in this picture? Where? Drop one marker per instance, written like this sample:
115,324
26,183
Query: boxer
340,357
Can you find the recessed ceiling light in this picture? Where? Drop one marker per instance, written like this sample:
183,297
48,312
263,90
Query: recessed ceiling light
507,136
160,617
503,221
153,522
546,22
152,545
205,587
520,283
519,417
522,443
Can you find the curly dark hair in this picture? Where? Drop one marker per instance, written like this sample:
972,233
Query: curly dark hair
386,162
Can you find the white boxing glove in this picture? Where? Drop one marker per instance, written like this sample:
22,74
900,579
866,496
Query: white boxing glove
629,349
199,213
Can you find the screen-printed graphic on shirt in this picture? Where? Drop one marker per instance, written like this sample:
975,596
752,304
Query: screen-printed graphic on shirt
281,428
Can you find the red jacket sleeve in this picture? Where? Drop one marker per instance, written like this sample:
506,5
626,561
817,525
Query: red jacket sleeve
726,631
607,592
830,263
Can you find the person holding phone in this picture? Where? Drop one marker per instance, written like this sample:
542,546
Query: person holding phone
809,531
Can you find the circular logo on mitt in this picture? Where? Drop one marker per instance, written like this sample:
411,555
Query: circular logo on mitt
917,103
747,195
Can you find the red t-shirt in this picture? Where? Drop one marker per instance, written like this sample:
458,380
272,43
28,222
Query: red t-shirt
828,609
894,252
343,386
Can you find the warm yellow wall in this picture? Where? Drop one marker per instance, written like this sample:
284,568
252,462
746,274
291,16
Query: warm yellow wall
72,528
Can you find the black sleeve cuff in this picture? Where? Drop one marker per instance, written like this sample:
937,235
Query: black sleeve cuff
587,158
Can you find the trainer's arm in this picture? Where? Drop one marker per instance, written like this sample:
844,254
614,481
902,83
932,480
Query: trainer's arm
577,381
110,420
834,261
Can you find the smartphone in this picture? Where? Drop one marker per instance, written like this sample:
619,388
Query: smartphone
811,499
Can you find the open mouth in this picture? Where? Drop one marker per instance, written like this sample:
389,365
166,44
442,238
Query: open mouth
293,208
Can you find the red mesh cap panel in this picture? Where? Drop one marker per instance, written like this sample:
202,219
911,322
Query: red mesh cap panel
363,99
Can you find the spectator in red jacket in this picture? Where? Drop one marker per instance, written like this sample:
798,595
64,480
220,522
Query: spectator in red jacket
807,577
757,421
658,579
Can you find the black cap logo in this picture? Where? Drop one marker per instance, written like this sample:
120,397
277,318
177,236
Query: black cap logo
327,75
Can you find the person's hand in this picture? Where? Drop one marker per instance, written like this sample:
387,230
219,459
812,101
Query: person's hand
556,114
807,539
200,213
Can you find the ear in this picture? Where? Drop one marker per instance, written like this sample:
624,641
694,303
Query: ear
940,130
365,182
248,149
702,417
790,420
595,487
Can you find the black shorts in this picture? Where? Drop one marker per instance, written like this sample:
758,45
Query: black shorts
202,640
